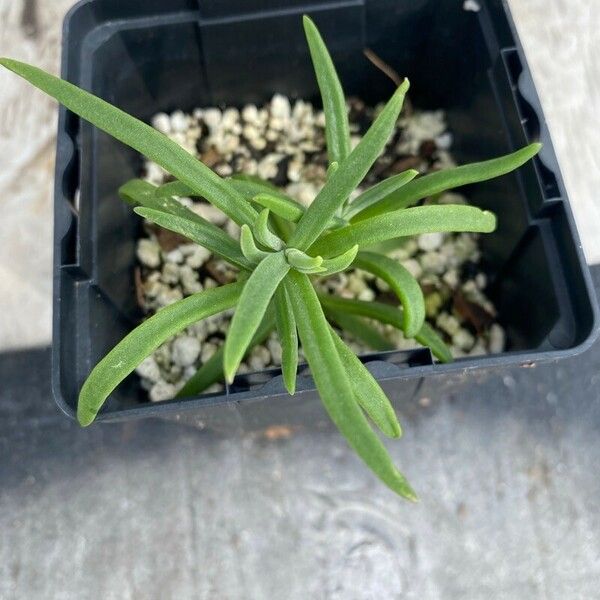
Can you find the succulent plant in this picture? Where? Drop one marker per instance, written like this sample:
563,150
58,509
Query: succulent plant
283,249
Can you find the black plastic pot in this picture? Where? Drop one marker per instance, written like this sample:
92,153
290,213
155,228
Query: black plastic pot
150,55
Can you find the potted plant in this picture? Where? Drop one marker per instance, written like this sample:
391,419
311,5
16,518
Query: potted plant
284,247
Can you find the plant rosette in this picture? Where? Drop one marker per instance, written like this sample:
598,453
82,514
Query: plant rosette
284,248
283,142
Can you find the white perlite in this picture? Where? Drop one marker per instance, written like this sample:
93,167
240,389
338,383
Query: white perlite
430,241
497,339
186,350
285,142
162,122
149,369
148,253
162,390
471,6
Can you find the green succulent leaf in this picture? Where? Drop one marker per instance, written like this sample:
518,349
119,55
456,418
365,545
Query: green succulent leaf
302,262
282,227
337,128
212,370
390,315
402,283
401,223
249,248
283,208
335,389
430,339
140,193
137,192
253,303
146,338
378,192
349,174
259,184
360,330
288,337
174,189
263,234
268,196
277,202
286,208
438,182
367,391
202,232
339,263
141,137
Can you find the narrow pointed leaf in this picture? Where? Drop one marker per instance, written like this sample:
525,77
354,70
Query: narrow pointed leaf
209,373
367,391
334,388
285,208
349,174
276,201
282,227
212,370
138,192
146,338
313,271
438,182
249,248
391,316
301,261
402,223
204,233
288,337
263,234
360,330
141,137
337,128
174,188
339,263
402,283
388,246
169,213
378,192
260,184
429,338
253,303
250,186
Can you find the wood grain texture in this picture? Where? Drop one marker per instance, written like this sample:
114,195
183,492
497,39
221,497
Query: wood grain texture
29,31
561,39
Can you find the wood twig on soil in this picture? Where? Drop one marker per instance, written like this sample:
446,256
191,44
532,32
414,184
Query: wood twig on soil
391,73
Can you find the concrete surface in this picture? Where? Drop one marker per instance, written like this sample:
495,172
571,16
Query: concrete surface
561,38
507,469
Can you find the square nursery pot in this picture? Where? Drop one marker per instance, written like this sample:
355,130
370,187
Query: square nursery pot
147,56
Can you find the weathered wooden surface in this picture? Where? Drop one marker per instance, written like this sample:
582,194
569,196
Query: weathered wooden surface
562,43
561,38
29,31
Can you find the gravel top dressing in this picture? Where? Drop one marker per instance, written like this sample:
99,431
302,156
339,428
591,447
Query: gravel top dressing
284,142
